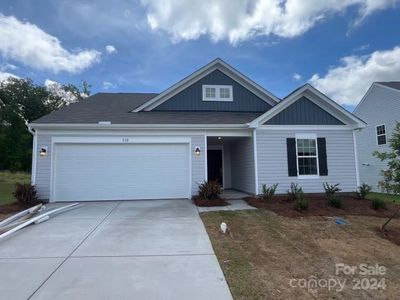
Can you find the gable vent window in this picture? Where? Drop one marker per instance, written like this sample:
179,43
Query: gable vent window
217,93
381,134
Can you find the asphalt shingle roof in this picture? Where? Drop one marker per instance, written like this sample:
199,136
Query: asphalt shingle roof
117,107
391,84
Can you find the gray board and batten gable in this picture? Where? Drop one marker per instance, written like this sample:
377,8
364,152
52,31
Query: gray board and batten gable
191,99
303,112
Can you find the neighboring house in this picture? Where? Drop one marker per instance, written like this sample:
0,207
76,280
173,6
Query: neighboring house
214,124
380,109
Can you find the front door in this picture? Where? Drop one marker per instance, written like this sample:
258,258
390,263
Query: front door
214,165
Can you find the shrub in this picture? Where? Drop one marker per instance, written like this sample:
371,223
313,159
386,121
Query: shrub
334,201
378,204
268,192
210,190
25,193
295,192
301,204
331,189
363,190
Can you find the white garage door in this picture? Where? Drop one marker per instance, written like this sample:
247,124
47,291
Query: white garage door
121,172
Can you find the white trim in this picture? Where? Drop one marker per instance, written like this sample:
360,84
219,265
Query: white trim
356,158
217,97
200,73
307,136
306,127
122,140
255,160
205,156
137,126
317,98
378,135
115,140
34,159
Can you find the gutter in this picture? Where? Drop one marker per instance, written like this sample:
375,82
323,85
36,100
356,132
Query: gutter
134,126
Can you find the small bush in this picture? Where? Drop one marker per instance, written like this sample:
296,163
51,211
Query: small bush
295,192
331,189
25,194
363,190
301,204
378,204
334,201
210,190
268,192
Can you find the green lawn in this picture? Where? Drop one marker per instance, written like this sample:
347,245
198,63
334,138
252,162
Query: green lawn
7,184
385,197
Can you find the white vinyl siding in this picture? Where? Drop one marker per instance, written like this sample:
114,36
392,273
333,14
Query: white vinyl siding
242,165
273,167
381,106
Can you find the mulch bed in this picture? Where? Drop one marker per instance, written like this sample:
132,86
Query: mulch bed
207,203
12,208
318,206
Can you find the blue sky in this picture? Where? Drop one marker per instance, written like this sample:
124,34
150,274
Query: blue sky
340,47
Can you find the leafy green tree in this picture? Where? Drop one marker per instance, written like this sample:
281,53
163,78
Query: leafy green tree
391,175
21,101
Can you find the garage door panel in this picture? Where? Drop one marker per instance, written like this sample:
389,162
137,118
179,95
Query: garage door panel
134,171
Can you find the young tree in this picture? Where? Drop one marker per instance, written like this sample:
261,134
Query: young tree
391,176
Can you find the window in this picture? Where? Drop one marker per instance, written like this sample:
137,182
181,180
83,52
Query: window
217,93
210,92
381,134
307,156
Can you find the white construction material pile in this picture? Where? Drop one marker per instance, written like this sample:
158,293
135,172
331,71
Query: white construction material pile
33,215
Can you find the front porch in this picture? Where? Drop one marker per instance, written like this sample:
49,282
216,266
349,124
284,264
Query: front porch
230,161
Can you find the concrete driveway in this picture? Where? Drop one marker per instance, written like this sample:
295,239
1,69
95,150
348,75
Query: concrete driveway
114,250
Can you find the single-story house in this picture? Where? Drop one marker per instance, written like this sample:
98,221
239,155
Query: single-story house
215,124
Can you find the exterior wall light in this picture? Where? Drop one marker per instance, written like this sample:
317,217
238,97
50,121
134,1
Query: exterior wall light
43,151
197,151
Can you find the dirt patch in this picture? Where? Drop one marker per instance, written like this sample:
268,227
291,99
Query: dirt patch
318,206
263,251
392,234
7,210
11,208
208,203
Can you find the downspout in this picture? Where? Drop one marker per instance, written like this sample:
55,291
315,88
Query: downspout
356,156
34,156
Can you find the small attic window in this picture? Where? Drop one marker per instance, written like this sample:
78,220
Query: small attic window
217,93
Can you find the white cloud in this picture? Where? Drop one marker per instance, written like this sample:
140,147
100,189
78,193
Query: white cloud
57,89
108,85
296,77
110,49
348,83
5,75
240,20
28,44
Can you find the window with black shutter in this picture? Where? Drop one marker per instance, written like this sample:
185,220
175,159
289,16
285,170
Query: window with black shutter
307,156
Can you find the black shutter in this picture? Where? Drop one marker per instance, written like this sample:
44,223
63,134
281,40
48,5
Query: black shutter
322,160
291,156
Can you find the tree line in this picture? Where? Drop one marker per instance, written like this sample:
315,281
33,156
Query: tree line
22,101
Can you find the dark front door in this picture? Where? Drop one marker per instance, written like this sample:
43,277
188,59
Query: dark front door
214,164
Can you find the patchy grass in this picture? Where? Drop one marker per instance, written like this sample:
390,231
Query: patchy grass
263,251
7,184
386,197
